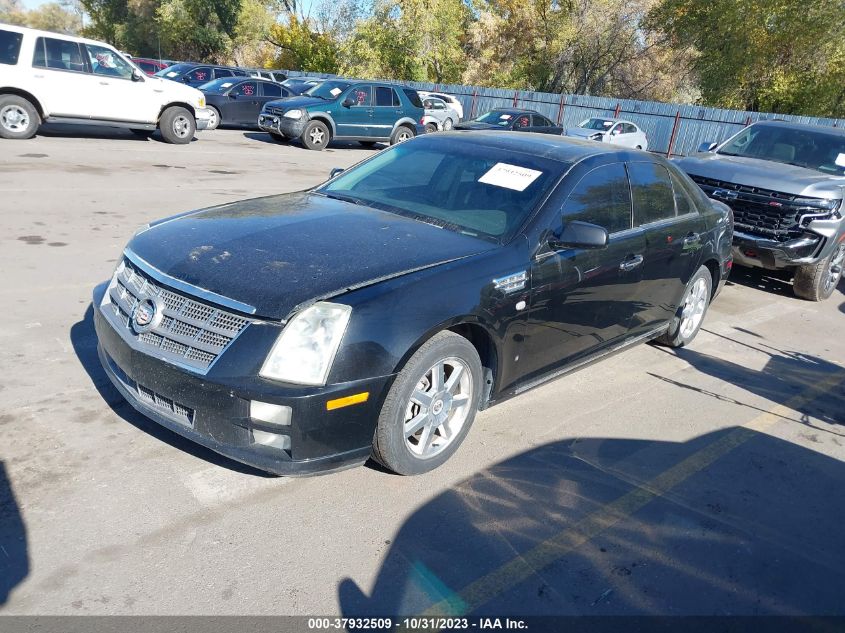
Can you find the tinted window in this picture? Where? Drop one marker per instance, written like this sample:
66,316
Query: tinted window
105,62
222,72
522,120
247,89
602,197
682,200
10,47
272,90
541,121
200,74
652,191
59,54
627,128
386,96
361,96
413,97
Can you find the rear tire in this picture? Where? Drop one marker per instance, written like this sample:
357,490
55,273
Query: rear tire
690,315
315,136
177,126
18,118
430,127
401,134
816,282
430,406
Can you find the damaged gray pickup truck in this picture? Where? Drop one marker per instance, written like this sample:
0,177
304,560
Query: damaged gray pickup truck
784,183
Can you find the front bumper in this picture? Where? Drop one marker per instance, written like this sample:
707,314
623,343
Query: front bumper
213,409
203,118
760,252
291,128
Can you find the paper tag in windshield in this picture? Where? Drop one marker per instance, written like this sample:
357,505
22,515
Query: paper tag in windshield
840,160
335,91
172,73
505,117
510,176
226,85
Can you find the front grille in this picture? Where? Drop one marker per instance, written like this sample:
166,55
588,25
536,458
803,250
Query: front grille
276,111
771,214
191,333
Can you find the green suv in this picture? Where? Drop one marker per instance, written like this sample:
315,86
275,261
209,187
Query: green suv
365,111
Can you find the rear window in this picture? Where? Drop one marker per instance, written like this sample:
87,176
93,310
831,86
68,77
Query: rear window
58,54
413,97
10,47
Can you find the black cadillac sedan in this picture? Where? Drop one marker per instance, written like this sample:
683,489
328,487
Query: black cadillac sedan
377,313
237,101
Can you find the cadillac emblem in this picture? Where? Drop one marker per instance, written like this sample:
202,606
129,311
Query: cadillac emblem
146,315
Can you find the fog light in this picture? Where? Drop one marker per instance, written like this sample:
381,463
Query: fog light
270,413
273,440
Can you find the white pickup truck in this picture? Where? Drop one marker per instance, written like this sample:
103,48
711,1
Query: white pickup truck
49,77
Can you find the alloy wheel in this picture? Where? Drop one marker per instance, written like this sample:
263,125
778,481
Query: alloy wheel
317,136
695,304
438,408
403,136
181,126
14,118
834,271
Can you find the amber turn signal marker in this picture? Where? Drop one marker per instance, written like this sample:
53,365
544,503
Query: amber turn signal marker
339,403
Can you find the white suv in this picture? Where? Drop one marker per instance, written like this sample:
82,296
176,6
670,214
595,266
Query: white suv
63,79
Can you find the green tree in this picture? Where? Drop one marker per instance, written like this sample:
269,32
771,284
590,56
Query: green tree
303,48
54,17
785,56
198,29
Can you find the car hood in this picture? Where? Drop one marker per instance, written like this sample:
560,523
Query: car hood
302,101
279,252
582,132
476,125
764,174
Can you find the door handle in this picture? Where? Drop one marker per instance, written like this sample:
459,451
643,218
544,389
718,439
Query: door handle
691,238
105,83
631,262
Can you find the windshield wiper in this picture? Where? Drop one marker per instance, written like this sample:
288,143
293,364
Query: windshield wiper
346,198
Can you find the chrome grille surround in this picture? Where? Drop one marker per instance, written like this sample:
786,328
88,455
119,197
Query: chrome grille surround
191,334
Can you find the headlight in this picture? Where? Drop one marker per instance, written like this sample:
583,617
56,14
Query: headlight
293,114
305,350
202,101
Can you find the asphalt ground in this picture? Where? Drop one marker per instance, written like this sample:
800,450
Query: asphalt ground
707,481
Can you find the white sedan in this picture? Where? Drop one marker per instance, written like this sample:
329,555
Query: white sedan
613,131
451,102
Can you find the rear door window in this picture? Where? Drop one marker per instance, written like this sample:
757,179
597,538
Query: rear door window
58,54
540,121
10,47
602,197
386,96
272,90
223,72
654,198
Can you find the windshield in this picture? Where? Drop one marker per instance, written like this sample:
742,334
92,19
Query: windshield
496,117
218,86
481,191
328,89
817,150
597,124
173,71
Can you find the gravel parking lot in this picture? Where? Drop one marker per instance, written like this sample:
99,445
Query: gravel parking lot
703,481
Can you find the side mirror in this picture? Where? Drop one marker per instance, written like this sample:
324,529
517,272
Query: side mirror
348,102
707,147
136,75
580,235
336,171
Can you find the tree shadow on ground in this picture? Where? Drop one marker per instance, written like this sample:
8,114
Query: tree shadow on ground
84,341
733,522
14,559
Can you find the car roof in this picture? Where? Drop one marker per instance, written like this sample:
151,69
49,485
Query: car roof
834,131
515,110
560,148
40,33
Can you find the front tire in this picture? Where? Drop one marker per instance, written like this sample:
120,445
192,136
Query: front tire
448,124
214,121
18,118
401,134
816,282
687,321
177,126
430,407
315,136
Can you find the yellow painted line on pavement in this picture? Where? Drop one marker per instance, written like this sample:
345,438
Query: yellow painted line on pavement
500,580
